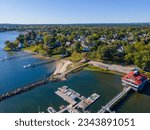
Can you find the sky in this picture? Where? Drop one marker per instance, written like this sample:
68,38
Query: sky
74,11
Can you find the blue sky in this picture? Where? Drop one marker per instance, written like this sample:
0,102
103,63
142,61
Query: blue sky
74,11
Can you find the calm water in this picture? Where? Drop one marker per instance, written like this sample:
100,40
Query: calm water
13,75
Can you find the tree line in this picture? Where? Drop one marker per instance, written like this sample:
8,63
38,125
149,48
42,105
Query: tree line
123,44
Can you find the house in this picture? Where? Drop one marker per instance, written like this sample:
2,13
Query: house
103,38
135,79
30,42
125,39
64,55
120,49
86,47
112,40
68,43
38,37
131,42
20,45
115,36
57,44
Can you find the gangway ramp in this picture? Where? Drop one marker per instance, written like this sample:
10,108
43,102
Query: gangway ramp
115,100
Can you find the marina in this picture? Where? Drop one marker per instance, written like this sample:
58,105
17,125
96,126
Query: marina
77,102
83,82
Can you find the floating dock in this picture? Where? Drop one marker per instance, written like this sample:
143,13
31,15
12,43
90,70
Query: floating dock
84,104
65,97
75,100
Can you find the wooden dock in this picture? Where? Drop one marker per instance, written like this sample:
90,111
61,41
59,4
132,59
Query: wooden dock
39,63
66,98
17,56
115,100
84,104
70,96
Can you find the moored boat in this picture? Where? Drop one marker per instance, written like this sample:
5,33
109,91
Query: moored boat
51,110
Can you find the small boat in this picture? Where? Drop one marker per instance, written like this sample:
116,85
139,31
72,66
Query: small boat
62,107
5,58
51,110
27,66
69,110
2,59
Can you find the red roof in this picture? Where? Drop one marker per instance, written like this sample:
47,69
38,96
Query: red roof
135,78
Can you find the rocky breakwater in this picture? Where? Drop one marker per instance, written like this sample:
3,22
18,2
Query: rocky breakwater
24,89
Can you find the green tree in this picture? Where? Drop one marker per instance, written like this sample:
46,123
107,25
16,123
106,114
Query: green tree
77,46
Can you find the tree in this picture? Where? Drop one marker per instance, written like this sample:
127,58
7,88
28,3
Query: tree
142,58
10,45
107,52
77,46
33,35
48,39
61,50
71,37
129,57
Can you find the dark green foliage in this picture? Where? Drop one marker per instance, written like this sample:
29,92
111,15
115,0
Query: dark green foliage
123,44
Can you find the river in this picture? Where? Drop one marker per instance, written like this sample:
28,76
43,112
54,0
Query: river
13,75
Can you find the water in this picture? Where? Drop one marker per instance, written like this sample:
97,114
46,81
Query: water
13,75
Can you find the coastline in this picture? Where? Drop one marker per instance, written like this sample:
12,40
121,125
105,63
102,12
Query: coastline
62,66
37,55
97,69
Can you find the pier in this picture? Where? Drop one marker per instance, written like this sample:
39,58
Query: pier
114,101
38,63
24,89
85,103
65,97
75,100
17,56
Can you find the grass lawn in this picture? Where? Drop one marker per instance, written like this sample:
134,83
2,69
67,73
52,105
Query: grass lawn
75,57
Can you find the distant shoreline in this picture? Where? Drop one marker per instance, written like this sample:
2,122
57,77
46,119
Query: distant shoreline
96,23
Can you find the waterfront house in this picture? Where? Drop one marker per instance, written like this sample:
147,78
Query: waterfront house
20,45
135,79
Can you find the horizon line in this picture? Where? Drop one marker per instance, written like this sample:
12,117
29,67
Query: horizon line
75,23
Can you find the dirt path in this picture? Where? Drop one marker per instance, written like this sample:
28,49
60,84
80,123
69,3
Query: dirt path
113,67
